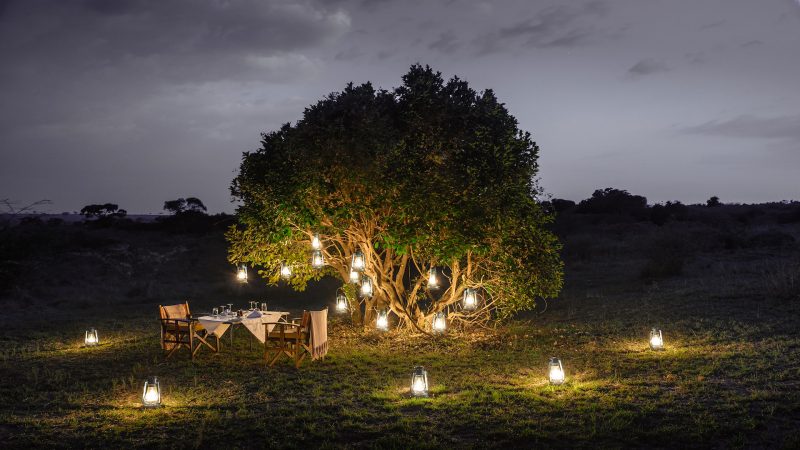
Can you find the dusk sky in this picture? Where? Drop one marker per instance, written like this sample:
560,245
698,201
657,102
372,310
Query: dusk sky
136,102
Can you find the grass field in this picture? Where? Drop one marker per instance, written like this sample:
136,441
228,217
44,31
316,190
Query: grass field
729,377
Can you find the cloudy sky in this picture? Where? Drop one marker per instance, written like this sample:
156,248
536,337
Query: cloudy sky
140,101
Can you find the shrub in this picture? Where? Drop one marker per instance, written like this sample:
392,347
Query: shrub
613,201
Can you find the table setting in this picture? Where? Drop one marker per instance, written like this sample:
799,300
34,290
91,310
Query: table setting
254,319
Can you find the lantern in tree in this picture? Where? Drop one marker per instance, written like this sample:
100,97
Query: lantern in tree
91,339
470,301
357,261
656,340
382,322
433,280
419,382
354,276
556,371
241,273
151,395
317,260
366,286
286,271
316,244
341,303
439,322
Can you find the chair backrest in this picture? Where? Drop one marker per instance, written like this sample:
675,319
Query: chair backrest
179,311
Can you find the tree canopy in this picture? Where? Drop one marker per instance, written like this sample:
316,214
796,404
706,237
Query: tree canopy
429,174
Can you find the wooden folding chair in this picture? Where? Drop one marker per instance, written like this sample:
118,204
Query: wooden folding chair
179,330
290,339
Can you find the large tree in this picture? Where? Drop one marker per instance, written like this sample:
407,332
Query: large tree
429,175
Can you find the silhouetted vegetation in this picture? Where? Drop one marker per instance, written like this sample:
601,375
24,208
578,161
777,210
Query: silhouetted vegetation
713,202
613,201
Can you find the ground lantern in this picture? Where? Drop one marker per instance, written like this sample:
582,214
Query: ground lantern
151,395
556,371
91,339
656,339
419,382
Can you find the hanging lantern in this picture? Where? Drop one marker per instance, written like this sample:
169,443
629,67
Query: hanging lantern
91,339
286,271
354,276
341,303
433,280
419,382
366,286
656,340
317,260
470,302
316,244
241,273
556,371
357,261
382,322
151,395
439,322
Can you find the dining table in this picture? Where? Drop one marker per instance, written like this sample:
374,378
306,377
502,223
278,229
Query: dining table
255,321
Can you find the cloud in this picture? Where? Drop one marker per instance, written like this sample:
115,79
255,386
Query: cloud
556,26
180,39
751,127
447,42
646,67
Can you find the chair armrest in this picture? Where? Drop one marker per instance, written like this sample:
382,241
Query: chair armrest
187,320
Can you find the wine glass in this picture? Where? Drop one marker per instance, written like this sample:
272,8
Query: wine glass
230,308
264,306
216,312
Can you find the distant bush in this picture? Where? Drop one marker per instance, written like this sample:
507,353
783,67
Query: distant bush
613,201
661,214
558,205
713,202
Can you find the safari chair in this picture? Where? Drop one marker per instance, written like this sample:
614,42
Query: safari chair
178,330
296,339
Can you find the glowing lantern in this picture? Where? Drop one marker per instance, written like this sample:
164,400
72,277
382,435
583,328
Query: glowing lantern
91,339
354,276
439,322
316,244
366,286
433,280
241,273
341,303
656,340
470,302
151,395
382,322
419,382
357,261
286,271
317,260
556,371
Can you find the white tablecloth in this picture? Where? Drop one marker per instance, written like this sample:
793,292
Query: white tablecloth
253,321
216,324
256,320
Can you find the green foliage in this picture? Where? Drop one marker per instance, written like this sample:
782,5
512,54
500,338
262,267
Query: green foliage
432,170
